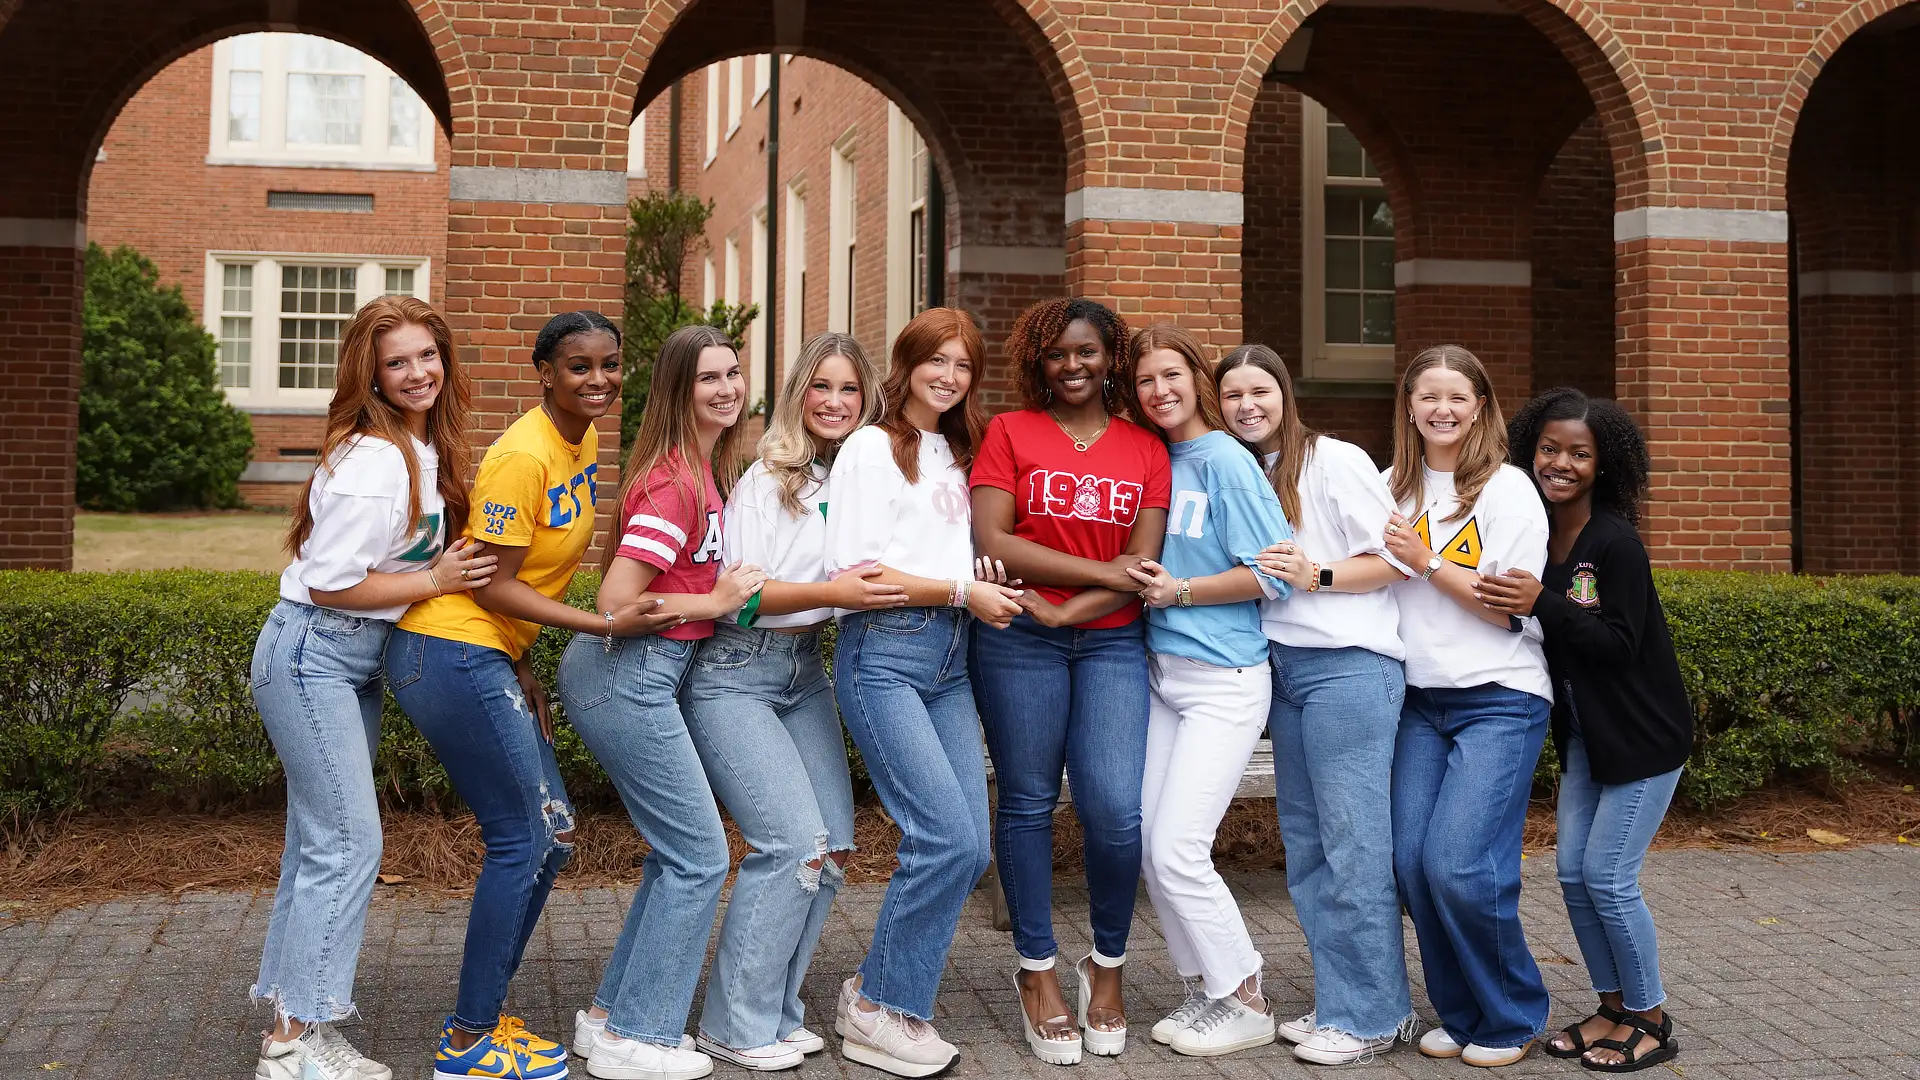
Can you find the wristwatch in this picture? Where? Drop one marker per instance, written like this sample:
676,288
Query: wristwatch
1326,577
1433,567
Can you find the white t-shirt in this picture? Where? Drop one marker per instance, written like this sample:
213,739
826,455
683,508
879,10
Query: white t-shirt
924,529
760,530
1345,506
359,507
1447,645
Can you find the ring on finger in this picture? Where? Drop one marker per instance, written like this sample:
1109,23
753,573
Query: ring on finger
463,573
1393,530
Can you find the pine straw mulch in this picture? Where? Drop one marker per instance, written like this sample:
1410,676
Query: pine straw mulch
108,855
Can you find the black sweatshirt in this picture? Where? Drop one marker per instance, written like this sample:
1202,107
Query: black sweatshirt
1615,676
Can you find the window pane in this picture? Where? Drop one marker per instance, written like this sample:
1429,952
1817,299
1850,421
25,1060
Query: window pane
308,350
1343,263
917,260
236,350
236,287
1379,215
403,114
1343,318
1379,266
321,290
324,110
1343,211
244,51
243,106
399,281
1379,319
1344,156
308,53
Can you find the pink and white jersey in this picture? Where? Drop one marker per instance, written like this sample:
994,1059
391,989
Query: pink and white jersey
673,525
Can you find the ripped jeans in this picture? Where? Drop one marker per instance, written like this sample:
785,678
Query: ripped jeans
466,702
763,720
623,702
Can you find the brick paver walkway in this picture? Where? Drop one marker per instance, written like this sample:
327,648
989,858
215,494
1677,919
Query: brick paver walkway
1791,965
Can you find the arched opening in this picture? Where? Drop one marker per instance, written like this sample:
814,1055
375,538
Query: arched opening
62,101
969,95
1853,199
1468,147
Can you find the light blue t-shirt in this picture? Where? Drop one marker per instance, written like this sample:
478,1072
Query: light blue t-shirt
1222,513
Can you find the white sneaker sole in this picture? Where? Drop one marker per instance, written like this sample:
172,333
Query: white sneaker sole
635,1072
1223,1049
1337,1057
1292,1033
789,1060
438,1075
806,1046
1484,1058
885,1062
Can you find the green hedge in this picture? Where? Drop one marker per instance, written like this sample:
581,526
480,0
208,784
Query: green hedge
113,685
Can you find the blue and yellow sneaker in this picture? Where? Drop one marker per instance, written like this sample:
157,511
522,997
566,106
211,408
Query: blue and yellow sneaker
513,1029
493,1057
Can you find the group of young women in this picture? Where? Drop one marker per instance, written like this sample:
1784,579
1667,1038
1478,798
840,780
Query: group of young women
1127,582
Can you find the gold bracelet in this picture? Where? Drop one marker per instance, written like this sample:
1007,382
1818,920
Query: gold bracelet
435,582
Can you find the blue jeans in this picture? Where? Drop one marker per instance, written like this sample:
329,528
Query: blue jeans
1462,771
624,703
316,682
1604,830
1333,720
1075,698
762,716
466,702
901,678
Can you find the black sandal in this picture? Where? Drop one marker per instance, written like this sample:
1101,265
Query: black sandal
1665,1049
1572,1031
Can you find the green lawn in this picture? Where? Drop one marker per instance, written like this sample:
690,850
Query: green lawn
229,540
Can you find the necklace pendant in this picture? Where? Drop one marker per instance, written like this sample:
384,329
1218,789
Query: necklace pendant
1080,446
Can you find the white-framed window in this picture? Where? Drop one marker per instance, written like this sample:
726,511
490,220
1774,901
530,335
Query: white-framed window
300,100
730,271
708,286
278,318
762,75
793,287
713,112
736,94
637,145
841,237
757,289
908,232
1347,233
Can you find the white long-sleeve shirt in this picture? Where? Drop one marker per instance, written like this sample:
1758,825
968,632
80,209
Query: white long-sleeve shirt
1344,505
359,506
762,531
924,529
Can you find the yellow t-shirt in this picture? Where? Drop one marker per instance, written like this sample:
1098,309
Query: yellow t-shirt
535,491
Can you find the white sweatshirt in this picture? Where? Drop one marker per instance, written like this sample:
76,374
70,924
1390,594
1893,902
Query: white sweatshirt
1345,506
924,529
359,506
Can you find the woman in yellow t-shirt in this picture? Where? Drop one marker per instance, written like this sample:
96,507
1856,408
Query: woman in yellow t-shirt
458,666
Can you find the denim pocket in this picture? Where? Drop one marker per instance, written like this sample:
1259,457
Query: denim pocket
405,659
588,668
900,620
265,648
336,623
723,654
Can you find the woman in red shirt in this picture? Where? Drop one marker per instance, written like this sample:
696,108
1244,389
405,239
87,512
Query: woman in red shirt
1067,495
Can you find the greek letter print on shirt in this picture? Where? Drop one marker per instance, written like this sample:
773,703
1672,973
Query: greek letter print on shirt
674,524
1465,547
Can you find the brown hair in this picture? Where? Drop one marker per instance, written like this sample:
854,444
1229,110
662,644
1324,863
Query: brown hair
1166,335
667,430
962,424
1040,325
1482,452
1296,438
358,408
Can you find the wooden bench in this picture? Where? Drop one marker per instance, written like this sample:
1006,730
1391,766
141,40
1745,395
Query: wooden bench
1255,783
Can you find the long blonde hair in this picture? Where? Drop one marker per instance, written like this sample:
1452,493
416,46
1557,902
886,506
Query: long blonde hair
788,449
358,408
1481,454
668,432
1296,439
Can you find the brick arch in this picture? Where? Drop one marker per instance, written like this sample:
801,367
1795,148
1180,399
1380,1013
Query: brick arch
1046,35
1799,84
1602,61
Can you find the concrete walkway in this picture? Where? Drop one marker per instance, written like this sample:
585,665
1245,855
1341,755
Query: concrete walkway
1789,965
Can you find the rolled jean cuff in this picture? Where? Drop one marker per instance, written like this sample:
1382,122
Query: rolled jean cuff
1103,960
1029,964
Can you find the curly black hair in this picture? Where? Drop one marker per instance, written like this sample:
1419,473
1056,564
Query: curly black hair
1039,325
1623,466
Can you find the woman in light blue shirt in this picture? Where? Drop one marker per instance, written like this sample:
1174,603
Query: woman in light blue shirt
1210,687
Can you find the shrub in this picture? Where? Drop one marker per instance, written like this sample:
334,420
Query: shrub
155,431
112,684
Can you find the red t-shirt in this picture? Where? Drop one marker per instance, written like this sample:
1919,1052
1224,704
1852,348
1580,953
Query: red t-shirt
1079,503
673,525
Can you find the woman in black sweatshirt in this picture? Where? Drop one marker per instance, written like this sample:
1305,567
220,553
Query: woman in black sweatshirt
1621,721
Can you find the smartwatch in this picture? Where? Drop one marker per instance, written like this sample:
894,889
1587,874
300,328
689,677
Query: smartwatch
1326,577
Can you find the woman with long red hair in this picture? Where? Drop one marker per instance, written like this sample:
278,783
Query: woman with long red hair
898,498
368,539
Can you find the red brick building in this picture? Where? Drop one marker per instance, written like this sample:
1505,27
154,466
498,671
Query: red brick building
1706,209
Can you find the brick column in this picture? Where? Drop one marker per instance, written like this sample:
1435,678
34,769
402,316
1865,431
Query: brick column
1702,364
1160,254
41,283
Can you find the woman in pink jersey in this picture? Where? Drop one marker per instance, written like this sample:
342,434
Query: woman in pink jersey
621,695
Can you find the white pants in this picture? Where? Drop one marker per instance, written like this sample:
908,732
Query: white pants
1201,728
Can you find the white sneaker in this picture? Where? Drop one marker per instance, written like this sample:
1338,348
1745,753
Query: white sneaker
1438,1044
1326,1046
631,1059
896,1043
310,1057
585,1030
769,1058
1179,1019
848,993
1296,1031
1493,1057
805,1041
1227,1027
368,1068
